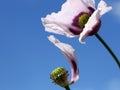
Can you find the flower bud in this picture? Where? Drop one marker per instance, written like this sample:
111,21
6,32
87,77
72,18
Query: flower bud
60,77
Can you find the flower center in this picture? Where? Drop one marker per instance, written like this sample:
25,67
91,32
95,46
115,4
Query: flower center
82,20
79,21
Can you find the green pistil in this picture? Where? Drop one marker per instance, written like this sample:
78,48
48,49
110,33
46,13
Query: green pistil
60,77
82,20
57,72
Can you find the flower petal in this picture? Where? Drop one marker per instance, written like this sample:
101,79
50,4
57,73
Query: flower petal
90,3
61,22
69,52
94,22
59,28
102,6
90,26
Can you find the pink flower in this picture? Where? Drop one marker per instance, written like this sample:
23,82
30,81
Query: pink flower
69,53
76,18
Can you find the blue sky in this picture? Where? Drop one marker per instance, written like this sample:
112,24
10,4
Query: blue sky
27,57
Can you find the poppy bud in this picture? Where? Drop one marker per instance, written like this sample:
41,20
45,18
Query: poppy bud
60,77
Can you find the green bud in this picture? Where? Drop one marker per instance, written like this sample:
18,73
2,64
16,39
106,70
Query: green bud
82,20
60,77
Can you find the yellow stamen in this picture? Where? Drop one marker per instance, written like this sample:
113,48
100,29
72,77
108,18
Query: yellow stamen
82,20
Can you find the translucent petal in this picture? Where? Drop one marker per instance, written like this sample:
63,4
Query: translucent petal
69,53
93,24
90,3
61,22
59,28
102,6
90,25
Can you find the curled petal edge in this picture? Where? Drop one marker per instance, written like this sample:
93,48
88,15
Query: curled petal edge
94,20
59,28
103,7
69,53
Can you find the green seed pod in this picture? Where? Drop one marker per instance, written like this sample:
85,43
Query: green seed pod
82,20
60,77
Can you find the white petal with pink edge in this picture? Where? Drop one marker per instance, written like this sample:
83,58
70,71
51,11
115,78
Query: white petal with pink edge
61,22
69,53
94,19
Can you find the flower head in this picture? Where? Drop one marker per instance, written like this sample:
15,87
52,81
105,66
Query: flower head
76,18
69,53
60,76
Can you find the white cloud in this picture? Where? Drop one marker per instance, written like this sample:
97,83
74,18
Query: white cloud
114,85
116,8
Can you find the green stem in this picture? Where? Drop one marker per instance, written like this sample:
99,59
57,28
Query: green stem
67,88
108,48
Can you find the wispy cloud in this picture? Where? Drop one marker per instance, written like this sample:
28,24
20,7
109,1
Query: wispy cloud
114,84
116,9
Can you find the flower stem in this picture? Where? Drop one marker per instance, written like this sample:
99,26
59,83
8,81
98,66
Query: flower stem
108,48
67,88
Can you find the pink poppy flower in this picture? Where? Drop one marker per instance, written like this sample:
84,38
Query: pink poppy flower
76,18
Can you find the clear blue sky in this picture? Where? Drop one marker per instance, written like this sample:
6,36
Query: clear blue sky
27,57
